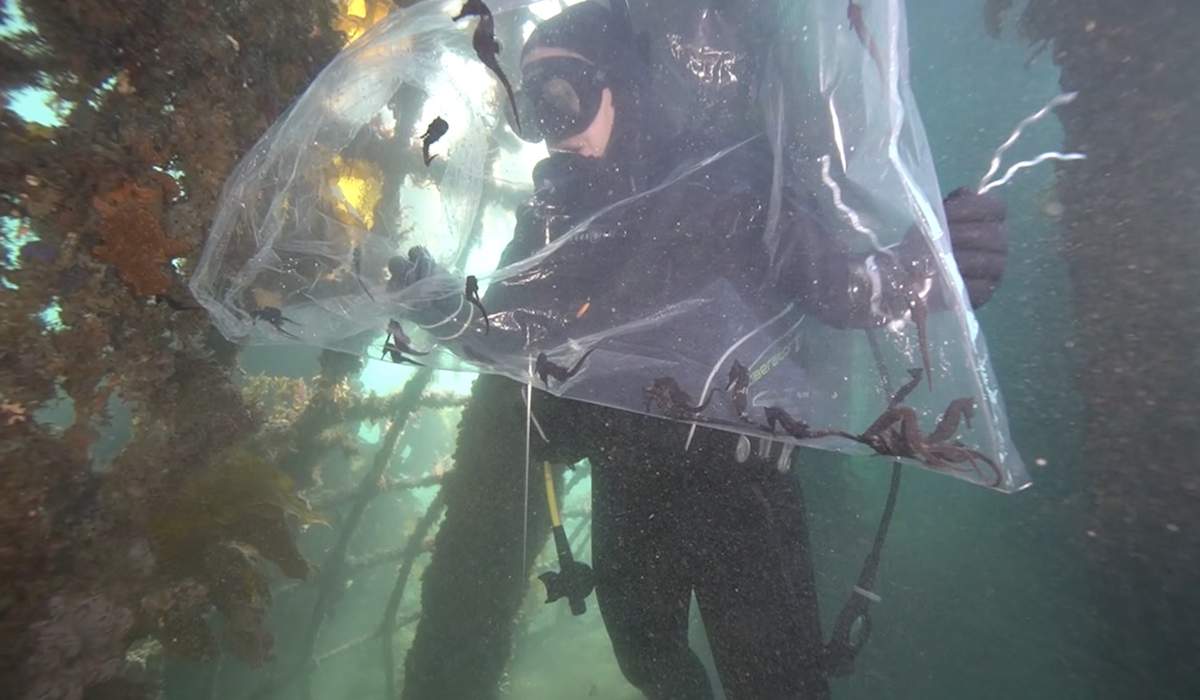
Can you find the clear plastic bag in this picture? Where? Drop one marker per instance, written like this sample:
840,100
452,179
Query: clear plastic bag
776,266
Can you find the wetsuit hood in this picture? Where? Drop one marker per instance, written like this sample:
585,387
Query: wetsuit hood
592,31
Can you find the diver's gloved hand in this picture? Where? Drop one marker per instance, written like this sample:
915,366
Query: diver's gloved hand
420,287
979,240
405,271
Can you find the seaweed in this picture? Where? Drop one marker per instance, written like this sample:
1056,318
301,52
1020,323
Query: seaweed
353,187
355,17
240,498
156,101
220,529
131,228
337,564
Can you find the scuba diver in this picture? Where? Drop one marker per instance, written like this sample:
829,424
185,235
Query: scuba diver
668,523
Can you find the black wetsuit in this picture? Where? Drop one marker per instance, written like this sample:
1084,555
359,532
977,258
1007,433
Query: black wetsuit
669,522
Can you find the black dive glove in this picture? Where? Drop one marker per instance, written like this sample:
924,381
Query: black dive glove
404,271
979,241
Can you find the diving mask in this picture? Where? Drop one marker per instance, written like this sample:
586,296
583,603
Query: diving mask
562,94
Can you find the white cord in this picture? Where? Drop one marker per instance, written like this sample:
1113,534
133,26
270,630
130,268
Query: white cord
1056,101
1017,167
536,424
528,437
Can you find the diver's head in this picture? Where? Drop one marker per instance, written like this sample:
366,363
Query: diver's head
579,81
572,104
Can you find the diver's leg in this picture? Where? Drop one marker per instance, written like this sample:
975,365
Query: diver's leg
757,597
642,582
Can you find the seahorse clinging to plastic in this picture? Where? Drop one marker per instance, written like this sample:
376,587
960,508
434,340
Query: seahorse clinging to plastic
487,48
